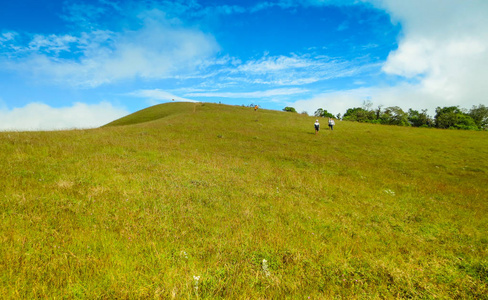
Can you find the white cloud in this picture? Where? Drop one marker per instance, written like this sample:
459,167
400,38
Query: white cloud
443,49
226,9
157,96
286,4
296,69
52,43
403,95
445,45
159,49
39,116
333,102
7,36
276,64
256,94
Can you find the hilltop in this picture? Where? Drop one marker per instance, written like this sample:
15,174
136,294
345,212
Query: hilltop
187,200
156,112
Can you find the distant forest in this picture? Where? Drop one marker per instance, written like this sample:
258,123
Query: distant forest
451,117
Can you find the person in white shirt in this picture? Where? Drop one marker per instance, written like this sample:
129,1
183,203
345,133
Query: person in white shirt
317,126
331,123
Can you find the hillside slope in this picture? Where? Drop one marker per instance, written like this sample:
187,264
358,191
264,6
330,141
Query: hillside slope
154,113
214,201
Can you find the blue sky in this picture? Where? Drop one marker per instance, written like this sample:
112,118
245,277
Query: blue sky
81,64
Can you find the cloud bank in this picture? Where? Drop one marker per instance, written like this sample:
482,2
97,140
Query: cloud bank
441,60
39,116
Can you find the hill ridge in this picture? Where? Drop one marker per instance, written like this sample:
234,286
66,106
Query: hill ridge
154,113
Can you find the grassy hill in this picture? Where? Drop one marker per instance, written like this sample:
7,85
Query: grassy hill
210,201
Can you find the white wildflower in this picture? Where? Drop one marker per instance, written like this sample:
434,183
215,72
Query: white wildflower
265,267
196,278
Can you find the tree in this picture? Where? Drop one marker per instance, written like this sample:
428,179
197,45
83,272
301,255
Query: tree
419,119
378,112
289,109
453,117
367,104
358,114
446,117
480,116
323,113
394,115
466,122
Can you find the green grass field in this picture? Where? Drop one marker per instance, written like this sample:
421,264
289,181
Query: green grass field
208,201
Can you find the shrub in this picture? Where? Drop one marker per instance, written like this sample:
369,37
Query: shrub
289,109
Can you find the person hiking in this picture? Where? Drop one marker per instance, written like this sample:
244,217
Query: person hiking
317,126
331,123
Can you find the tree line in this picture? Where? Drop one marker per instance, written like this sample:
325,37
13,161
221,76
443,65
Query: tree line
449,117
